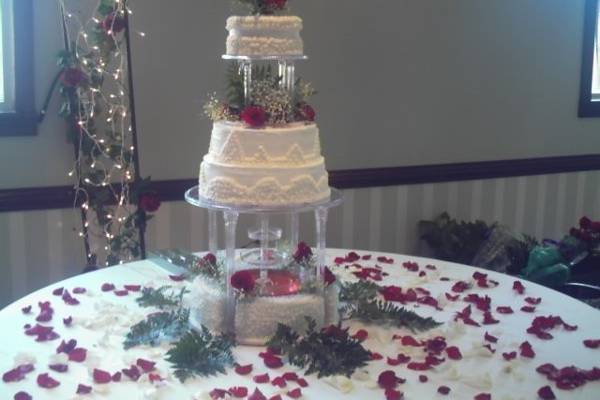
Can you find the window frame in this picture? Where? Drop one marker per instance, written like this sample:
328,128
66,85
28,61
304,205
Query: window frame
23,120
587,107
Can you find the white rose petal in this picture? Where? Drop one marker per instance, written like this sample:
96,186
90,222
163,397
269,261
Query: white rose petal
24,358
341,383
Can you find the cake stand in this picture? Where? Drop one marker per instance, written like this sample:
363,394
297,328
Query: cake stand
267,259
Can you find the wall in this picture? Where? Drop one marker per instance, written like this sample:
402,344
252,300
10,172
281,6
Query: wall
43,246
410,81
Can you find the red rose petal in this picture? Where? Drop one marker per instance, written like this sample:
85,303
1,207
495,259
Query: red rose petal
66,347
391,394
275,397
419,366
101,376
121,293
132,373
68,299
546,393
443,390
238,391
26,310
68,321
490,338
451,297
361,335
154,378
243,369
488,318
387,379
453,353
46,381
133,288
264,378
528,309
518,287
218,394
79,290
290,376
533,301
59,367
116,377
78,355
302,382
460,287
592,343
257,395
18,373
177,278
510,356
145,365
483,396
107,287
273,362
23,396
279,382
504,310
295,394
423,378
83,389
410,341
58,291
526,350
375,356
42,333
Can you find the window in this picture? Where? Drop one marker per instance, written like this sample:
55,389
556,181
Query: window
589,97
17,102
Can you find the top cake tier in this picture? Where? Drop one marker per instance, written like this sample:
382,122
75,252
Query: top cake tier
264,36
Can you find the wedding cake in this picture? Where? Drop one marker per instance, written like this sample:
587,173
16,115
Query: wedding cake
265,147
264,151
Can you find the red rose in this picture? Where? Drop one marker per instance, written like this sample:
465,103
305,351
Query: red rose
585,223
328,276
244,281
303,252
72,77
149,202
387,380
254,116
307,113
113,23
276,4
210,259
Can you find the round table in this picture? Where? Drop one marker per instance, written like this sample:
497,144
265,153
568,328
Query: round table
102,318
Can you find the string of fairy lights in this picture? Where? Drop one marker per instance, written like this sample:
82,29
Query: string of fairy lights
104,149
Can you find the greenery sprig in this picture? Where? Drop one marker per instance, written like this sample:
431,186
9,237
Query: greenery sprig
331,351
202,354
166,325
264,7
160,298
381,312
352,292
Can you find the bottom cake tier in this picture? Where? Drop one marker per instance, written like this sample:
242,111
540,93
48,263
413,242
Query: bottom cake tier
256,318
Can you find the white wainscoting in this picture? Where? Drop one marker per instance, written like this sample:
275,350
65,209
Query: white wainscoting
37,248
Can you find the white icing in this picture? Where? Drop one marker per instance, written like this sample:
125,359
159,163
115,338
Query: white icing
264,36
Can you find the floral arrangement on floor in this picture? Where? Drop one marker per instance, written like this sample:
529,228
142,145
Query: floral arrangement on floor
493,246
271,104
95,87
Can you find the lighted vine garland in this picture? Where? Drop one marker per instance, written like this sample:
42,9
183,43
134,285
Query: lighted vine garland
95,87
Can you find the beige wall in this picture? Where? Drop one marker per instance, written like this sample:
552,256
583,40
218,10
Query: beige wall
402,82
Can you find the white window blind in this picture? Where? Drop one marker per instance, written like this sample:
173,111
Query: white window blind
7,64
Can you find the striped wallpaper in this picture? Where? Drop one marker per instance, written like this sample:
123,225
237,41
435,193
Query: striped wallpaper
37,248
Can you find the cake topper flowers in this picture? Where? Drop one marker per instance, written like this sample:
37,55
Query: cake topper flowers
264,7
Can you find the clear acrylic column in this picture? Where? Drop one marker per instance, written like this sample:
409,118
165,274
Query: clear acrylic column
230,220
321,230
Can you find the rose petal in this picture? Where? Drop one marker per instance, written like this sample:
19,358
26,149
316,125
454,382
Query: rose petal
490,338
510,356
592,343
257,395
483,396
295,394
68,299
546,393
518,287
78,355
26,310
101,376
443,390
504,310
107,287
66,347
59,367
264,378
177,278
133,288
132,373
243,369
391,394
145,365
238,391
453,353
18,373
361,335
68,321
273,362
423,378
83,389
23,396
121,293
58,291
46,381
387,379
279,382
79,290
526,350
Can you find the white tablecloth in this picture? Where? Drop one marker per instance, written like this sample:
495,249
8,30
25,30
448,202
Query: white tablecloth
102,319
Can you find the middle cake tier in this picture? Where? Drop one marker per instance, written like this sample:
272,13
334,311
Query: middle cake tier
270,166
